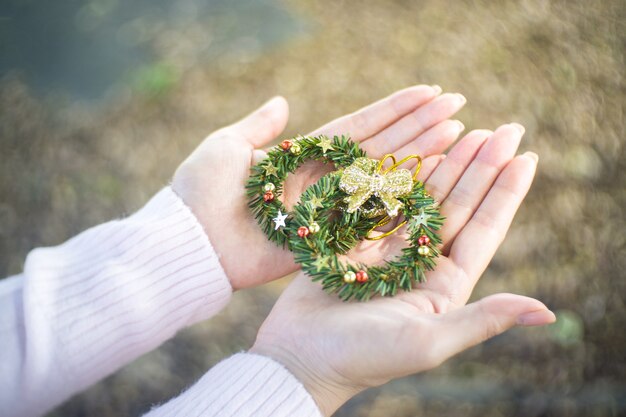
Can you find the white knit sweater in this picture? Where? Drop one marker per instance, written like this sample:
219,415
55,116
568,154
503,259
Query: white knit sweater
83,309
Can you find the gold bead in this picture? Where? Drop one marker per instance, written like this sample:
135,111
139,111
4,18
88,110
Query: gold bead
423,250
295,149
314,227
349,277
384,277
269,187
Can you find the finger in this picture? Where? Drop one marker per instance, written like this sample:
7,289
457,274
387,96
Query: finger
261,126
257,156
441,182
476,181
476,244
371,119
414,124
434,141
463,328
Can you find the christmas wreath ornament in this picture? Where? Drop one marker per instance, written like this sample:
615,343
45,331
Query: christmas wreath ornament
343,208
265,184
359,199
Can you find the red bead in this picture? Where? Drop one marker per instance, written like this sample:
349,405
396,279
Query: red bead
268,196
286,145
361,276
303,231
423,240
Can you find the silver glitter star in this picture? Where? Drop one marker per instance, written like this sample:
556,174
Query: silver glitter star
279,220
421,219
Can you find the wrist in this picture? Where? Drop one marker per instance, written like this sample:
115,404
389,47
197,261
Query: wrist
328,394
185,187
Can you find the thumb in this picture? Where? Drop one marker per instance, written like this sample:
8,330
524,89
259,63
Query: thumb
262,125
486,318
257,156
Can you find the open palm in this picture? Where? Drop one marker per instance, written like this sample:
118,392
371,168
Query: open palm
211,181
338,348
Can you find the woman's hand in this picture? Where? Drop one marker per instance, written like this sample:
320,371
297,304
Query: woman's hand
338,349
212,179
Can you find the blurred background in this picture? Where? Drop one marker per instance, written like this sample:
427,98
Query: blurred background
100,100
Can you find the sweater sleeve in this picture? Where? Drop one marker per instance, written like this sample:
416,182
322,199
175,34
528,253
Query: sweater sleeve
82,310
243,385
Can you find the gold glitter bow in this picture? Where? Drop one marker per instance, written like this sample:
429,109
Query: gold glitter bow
366,178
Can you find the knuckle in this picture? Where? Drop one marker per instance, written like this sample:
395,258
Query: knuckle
489,223
435,191
359,123
400,103
491,325
461,196
508,191
420,120
488,166
225,133
432,355
271,121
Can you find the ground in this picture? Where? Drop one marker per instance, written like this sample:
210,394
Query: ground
556,67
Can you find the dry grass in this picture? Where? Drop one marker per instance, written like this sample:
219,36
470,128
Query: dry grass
556,67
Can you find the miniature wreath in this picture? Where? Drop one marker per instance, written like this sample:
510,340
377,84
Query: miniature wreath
342,208
349,197
265,183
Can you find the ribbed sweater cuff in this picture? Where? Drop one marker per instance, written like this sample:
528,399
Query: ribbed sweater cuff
243,385
114,292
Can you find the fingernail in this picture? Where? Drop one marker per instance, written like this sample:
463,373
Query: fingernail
536,318
437,89
518,127
461,125
533,156
461,98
